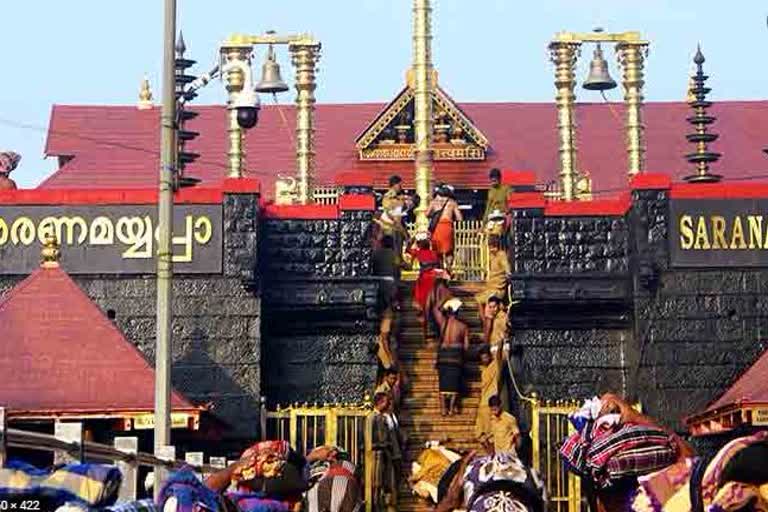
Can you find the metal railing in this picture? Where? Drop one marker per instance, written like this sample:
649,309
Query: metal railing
470,246
122,454
347,426
326,195
549,427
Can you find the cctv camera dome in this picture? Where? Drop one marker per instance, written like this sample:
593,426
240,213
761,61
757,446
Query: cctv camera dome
247,117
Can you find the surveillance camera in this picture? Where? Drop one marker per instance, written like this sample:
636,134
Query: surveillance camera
247,104
246,101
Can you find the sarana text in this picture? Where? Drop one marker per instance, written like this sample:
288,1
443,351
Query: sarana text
740,232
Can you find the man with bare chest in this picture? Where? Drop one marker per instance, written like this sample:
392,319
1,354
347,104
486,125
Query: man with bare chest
454,340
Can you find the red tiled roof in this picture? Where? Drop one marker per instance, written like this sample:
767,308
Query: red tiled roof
750,388
117,146
61,355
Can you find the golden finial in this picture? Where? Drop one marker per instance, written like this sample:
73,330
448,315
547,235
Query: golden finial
690,97
145,95
50,253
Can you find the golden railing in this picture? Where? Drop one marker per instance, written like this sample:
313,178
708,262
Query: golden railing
549,427
346,426
326,195
470,262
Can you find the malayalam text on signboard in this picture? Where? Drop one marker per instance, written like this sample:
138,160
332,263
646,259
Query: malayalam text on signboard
110,239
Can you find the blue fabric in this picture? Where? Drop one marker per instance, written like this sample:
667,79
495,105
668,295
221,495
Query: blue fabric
188,490
258,502
93,485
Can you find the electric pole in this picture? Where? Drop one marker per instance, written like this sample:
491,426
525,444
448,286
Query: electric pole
164,249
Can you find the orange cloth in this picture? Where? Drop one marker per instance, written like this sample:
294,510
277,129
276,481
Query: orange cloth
442,238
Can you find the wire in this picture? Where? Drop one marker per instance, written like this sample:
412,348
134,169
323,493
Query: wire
611,108
119,145
285,121
96,140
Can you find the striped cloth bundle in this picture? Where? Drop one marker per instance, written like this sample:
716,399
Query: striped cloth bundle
90,485
609,455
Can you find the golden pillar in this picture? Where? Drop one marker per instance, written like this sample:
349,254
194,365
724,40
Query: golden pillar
564,55
631,56
235,58
305,59
422,122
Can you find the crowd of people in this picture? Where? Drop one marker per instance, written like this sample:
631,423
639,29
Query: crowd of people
443,325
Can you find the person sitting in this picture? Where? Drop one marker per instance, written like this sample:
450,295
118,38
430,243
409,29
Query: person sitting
454,341
443,210
505,434
498,276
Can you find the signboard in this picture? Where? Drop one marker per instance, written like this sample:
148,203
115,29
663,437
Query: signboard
719,232
759,417
147,421
110,239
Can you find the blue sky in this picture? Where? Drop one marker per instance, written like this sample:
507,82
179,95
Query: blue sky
96,51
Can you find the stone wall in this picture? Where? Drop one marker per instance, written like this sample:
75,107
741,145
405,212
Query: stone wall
319,301
697,329
216,321
602,310
572,329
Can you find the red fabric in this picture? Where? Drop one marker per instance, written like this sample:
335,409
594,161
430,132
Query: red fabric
618,206
442,238
426,280
723,190
521,136
301,211
38,196
338,470
357,202
61,354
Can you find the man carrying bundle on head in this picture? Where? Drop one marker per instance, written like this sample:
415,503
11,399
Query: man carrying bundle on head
442,212
454,340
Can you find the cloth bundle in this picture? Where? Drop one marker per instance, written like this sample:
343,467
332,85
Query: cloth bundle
264,459
503,472
190,493
606,450
89,485
669,490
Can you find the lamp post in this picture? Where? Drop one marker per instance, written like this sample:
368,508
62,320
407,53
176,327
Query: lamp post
631,51
236,54
164,256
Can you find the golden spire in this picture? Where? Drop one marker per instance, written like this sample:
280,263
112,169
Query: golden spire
50,253
691,96
145,95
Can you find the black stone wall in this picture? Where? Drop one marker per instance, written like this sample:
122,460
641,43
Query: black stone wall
603,310
216,324
573,324
696,329
319,303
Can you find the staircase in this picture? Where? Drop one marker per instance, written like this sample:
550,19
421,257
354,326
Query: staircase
420,416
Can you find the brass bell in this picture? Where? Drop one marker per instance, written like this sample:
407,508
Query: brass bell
599,79
271,81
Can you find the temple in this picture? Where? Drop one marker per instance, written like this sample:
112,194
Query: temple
638,265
